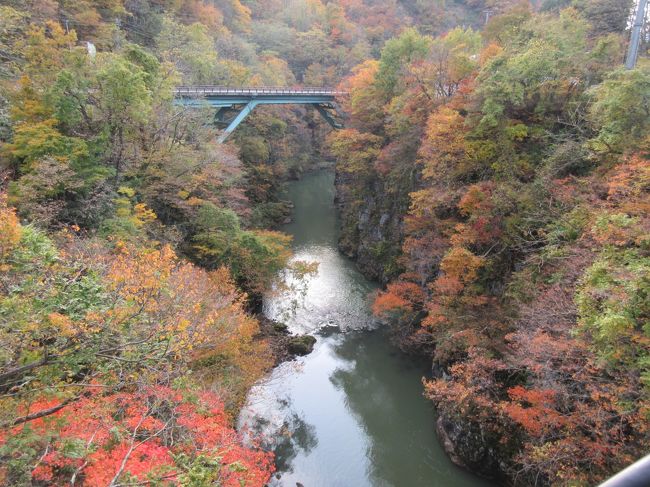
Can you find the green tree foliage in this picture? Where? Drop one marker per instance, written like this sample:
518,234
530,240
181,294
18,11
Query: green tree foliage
621,110
619,323
553,53
255,257
13,29
192,51
396,55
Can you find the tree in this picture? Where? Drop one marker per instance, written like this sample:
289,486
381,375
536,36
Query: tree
511,84
303,14
396,56
191,50
399,297
254,256
11,230
621,110
193,11
355,150
450,61
444,150
124,104
236,15
11,33
606,16
47,49
87,318
364,103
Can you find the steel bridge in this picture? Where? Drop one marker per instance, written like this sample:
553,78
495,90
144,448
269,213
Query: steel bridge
235,104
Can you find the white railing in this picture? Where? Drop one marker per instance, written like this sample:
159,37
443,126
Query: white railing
636,475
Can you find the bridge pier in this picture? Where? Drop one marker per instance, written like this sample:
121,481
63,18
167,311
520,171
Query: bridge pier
241,116
322,109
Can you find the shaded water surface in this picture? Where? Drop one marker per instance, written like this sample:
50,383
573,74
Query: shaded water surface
352,412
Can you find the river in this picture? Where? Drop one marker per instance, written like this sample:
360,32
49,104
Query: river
350,414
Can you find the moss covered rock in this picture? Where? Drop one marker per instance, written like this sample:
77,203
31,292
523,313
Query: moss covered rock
301,344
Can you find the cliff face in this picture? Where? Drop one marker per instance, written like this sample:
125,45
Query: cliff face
371,224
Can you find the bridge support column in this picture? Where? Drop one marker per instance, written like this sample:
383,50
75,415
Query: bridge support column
327,115
245,112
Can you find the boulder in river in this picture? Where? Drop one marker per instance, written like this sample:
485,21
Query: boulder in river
301,344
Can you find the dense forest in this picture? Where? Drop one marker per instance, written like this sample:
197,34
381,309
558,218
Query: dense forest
498,181
493,174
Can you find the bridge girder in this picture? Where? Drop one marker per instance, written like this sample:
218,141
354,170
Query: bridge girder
242,102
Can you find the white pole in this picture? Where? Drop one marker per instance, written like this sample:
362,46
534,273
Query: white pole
633,50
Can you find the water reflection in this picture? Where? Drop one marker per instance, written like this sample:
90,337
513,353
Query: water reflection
298,437
292,437
384,393
335,296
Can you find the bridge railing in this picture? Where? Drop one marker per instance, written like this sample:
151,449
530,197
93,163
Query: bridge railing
636,475
262,90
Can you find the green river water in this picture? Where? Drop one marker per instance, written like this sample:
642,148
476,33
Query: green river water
350,414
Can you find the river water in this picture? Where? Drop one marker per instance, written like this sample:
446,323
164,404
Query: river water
350,414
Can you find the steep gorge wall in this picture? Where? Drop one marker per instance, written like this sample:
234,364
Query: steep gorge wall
371,226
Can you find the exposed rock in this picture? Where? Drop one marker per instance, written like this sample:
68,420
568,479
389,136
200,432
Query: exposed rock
438,371
277,336
284,346
280,327
445,432
371,230
470,446
301,344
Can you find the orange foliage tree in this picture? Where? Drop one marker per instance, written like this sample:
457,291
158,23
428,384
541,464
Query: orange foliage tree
82,324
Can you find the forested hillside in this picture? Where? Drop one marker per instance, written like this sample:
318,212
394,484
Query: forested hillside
493,174
498,180
121,360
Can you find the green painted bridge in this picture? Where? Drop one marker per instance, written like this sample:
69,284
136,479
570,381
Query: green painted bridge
235,104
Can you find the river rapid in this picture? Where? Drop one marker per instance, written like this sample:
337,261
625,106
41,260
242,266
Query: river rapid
350,414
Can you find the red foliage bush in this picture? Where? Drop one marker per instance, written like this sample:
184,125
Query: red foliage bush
154,434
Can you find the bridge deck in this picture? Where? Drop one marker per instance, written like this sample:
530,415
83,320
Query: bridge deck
203,91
